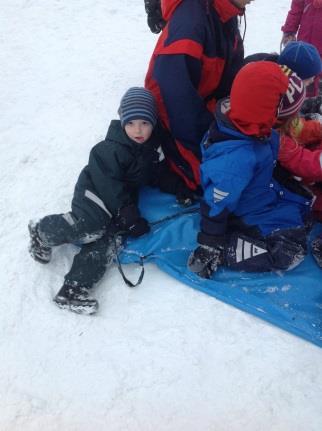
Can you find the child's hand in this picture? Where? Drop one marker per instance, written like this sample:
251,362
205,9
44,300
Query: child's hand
184,196
287,37
140,227
155,20
129,219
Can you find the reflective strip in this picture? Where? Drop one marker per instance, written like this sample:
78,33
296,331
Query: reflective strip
220,192
239,250
161,155
245,250
321,159
219,195
218,198
91,196
68,217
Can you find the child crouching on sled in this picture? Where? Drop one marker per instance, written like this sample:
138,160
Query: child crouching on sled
105,199
248,220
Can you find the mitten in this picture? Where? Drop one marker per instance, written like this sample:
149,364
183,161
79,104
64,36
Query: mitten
155,20
312,105
139,227
184,196
204,260
128,219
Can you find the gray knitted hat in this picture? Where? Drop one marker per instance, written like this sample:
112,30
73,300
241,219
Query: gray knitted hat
138,104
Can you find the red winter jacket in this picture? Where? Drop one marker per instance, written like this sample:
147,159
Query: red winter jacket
194,62
305,19
297,158
304,162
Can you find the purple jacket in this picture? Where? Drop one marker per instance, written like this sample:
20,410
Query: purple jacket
305,19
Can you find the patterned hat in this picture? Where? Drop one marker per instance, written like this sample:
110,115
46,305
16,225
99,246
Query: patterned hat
293,99
138,104
303,58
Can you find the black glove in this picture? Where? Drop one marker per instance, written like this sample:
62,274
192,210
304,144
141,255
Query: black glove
184,196
312,105
155,20
204,260
129,219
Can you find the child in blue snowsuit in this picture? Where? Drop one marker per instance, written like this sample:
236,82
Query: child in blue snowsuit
248,220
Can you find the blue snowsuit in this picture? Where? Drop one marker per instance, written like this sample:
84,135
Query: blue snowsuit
241,197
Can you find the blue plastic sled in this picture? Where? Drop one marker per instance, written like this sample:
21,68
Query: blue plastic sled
291,301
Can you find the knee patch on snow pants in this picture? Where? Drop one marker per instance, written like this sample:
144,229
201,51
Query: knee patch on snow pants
57,229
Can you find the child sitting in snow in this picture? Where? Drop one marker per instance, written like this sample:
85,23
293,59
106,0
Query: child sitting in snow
248,220
300,153
105,199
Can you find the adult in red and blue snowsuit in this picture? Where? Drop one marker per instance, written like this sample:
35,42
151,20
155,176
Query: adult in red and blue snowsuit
193,65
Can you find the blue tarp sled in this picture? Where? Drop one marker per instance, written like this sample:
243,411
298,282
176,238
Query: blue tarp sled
290,300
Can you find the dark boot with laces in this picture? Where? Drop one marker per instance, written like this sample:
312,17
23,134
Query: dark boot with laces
37,248
77,299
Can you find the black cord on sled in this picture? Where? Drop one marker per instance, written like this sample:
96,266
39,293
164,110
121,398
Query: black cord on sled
141,262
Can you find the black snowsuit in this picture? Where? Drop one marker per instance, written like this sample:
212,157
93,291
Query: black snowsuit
117,168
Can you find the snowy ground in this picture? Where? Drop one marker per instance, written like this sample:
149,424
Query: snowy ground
160,357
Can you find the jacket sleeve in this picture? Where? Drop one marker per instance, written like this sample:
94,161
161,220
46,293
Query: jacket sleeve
107,170
300,161
188,115
223,186
294,17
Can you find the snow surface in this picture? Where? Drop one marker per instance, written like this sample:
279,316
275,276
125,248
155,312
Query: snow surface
159,357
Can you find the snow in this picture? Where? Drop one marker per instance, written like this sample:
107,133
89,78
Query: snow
158,357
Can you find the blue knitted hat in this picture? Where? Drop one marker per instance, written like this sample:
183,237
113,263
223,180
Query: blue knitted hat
303,58
138,104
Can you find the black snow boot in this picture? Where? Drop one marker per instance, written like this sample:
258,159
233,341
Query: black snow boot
37,249
76,298
317,250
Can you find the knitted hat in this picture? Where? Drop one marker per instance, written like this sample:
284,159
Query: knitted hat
303,58
255,95
293,99
138,104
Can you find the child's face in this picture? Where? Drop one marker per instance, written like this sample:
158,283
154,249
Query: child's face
139,130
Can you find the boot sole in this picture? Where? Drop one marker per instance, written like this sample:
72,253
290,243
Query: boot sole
77,308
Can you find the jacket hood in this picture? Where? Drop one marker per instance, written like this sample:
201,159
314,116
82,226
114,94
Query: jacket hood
223,137
255,96
117,134
225,8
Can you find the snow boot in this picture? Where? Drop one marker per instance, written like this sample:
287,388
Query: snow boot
317,250
37,249
76,299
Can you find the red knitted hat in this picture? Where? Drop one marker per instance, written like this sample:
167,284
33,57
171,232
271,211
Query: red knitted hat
255,96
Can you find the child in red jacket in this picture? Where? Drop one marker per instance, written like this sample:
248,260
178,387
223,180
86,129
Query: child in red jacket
300,153
303,23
